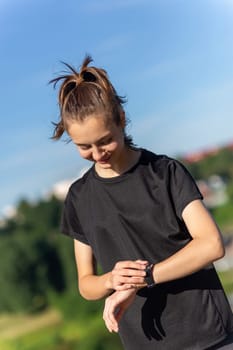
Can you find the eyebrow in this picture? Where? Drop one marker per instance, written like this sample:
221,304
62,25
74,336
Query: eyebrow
98,141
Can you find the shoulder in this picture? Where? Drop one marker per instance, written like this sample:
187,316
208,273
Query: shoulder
80,185
162,162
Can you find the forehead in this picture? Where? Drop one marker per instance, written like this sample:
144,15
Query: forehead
90,130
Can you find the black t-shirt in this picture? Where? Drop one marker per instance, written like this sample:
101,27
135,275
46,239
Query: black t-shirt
138,215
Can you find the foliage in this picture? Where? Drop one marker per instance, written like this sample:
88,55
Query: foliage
227,281
38,271
67,335
230,190
220,163
30,259
223,216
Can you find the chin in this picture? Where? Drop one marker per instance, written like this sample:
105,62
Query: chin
104,165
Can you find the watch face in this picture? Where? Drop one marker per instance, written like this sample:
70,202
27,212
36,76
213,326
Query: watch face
149,277
148,271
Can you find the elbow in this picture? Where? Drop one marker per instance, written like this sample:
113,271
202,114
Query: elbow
87,290
87,295
218,249
221,252
84,294
83,291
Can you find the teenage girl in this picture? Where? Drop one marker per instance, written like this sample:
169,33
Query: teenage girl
140,216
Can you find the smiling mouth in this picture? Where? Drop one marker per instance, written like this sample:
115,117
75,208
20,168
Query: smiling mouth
104,160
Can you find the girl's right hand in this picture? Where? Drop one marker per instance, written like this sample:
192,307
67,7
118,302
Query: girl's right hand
115,306
127,274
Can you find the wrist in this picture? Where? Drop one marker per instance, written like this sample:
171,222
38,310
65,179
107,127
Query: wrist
149,278
108,282
140,286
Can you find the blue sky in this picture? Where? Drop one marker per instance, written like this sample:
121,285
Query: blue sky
173,59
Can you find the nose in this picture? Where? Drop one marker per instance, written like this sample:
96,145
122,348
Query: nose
97,154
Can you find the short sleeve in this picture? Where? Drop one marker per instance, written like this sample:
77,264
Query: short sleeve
183,187
70,224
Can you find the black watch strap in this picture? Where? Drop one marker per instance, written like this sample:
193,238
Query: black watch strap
149,276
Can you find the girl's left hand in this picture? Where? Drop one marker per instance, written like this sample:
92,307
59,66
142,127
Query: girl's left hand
127,274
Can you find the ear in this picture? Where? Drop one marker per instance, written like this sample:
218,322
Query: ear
122,119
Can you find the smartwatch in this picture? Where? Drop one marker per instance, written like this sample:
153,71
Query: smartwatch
149,276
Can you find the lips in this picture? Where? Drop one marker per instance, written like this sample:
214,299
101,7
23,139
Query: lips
104,160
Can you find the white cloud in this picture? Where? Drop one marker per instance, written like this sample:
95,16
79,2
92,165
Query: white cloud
60,188
9,211
26,188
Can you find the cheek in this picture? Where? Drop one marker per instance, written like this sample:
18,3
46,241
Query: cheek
85,154
111,147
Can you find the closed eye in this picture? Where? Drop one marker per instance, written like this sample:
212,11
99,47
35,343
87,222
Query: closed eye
101,142
84,147
105,141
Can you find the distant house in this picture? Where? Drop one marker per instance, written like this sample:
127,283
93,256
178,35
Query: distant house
197,156
213,191
194,157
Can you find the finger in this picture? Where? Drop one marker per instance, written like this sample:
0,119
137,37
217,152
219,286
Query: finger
121,281
112,319
127,272
109,316
143,262
125,286
108,323
126,283
133,272
108,326
129,264
119,314
112,310
105,315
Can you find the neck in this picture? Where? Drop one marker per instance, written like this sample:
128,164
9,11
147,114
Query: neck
127,160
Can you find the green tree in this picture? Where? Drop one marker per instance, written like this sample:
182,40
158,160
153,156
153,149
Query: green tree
220,163
31,265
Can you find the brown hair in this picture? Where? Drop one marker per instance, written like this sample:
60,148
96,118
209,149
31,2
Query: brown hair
84,93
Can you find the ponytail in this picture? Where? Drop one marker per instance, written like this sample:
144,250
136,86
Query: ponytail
86,92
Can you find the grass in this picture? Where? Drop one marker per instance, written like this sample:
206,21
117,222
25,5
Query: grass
19,325
23,332
66,330
50,331
226,278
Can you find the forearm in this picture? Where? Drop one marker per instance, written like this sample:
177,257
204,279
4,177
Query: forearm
95,287
205,247
194,256
125,275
